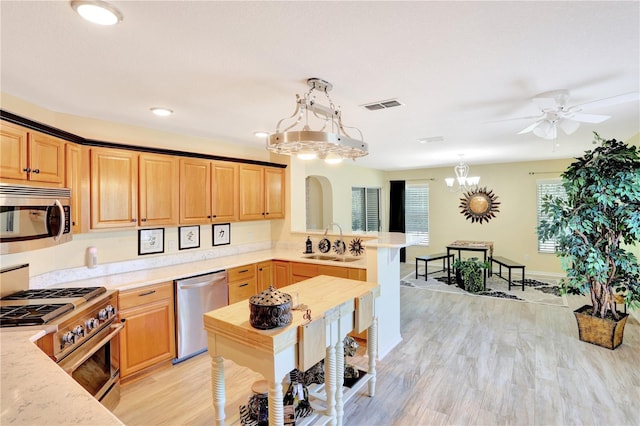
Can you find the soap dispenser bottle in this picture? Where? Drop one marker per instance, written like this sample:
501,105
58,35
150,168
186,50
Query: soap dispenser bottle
309,246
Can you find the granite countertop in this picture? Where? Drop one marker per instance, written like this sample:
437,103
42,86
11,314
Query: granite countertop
35,391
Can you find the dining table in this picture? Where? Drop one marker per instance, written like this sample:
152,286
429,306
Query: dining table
484,247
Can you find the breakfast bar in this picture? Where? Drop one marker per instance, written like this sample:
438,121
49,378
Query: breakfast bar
336,306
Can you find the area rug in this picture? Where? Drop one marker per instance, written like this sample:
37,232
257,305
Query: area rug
535,290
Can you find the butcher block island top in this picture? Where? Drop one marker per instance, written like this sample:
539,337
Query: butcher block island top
320,294
333,307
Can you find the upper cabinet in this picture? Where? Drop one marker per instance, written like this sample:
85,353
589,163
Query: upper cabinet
130,189
77,179
158,190
261,192
114,188
30,156
208,191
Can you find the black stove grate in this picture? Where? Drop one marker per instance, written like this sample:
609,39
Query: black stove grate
56,293
31,314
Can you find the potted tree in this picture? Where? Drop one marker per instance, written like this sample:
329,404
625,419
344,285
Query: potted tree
601,212
470,273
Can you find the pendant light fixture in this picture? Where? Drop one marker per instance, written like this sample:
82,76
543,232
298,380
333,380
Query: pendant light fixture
330,142
465,181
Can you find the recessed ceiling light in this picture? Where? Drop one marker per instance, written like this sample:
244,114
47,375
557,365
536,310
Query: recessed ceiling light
261,134
96,11
161,112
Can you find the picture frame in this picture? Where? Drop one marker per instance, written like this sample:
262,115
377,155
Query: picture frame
188,237
150,241
221,234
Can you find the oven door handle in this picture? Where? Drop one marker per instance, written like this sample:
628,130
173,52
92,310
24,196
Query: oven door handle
116,329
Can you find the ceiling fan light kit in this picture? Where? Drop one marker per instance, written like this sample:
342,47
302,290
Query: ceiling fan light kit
329,142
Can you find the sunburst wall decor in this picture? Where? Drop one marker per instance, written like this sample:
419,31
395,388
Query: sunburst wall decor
479,204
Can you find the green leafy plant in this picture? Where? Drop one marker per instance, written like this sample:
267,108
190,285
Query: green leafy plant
471,272
601,212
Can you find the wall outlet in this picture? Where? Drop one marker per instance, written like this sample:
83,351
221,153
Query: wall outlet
526,257
172,245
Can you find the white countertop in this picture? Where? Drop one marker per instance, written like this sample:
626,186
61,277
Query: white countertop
35,391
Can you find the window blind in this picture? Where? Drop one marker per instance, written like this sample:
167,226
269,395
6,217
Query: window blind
365,209
417,211
555,189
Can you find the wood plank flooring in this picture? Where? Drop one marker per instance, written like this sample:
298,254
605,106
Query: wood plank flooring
463,361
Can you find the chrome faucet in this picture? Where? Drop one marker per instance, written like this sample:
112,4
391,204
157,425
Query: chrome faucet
340,249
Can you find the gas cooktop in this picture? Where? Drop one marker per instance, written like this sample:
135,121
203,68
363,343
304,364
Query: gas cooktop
86,293
13,316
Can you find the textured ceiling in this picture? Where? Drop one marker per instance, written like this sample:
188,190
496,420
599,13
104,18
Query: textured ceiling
228,69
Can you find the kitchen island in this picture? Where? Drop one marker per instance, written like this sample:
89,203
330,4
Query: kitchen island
336,306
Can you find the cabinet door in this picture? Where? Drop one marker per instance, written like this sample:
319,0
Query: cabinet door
148,337
158,193
274,193
73,180
333,271
46,158
251,192
195,191
224,191
114,188
13,150
281,273
265,275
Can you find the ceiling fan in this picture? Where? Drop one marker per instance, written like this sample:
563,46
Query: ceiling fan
556,113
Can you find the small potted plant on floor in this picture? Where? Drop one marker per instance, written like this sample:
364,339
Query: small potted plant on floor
601,212
470,273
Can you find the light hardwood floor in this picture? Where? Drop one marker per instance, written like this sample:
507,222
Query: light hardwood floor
463,361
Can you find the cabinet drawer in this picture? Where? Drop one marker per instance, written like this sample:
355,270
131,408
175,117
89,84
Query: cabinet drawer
144,295
304,269
241,273
242,290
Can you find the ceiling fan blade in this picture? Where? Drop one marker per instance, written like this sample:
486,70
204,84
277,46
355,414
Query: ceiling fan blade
613,100
589,118
530,127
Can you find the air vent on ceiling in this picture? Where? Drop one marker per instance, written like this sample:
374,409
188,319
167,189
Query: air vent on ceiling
390,103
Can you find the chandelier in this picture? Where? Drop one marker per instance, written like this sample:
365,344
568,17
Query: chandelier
329,142
465,181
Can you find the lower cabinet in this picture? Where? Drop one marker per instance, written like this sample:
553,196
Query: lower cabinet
265,275
281,273
148,337
302,271
242,283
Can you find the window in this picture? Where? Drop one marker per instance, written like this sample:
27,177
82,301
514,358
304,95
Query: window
365,209
556,190
416,215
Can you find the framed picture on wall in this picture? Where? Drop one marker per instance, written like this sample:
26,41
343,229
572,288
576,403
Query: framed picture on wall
221,234
150,241
188,237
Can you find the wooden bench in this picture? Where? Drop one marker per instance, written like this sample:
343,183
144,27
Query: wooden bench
509,264
446,264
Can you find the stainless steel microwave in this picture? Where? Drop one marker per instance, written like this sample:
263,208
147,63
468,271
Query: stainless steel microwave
33,217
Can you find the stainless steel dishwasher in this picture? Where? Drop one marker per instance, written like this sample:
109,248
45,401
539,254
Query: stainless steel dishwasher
195,296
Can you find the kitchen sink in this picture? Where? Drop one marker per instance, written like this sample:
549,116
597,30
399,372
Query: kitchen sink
321,257
345,259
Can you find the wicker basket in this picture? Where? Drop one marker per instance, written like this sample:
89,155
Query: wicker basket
600,331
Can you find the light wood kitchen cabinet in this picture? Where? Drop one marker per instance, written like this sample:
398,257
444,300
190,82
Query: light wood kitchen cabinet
242,282
130,189
224,191
114,188
158,190
261,192
77,179
265,275
195,191
301,271
281,273
30,156
208,191
147,340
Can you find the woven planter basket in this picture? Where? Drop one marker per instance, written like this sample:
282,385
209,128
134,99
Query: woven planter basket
600,331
